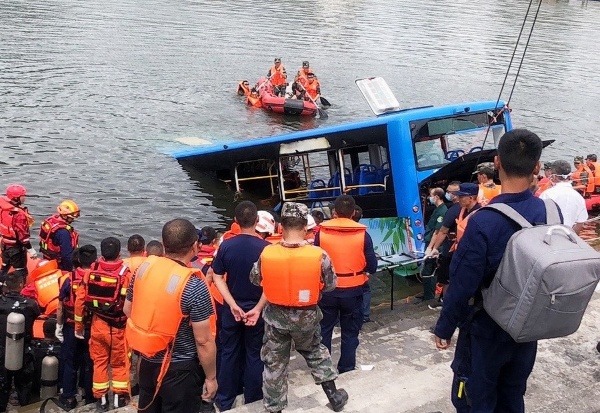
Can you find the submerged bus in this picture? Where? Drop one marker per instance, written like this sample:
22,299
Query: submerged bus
386,163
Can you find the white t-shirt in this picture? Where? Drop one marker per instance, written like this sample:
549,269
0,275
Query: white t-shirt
571,203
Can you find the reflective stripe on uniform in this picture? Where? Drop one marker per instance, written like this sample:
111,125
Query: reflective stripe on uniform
120,384
78,318
101,386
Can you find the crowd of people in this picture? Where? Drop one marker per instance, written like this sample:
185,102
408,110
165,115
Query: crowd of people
211,316
306,85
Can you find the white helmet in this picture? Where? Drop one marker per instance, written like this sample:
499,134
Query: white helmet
311,222
266,222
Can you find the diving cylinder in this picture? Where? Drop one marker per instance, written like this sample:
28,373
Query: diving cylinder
49,377
15,341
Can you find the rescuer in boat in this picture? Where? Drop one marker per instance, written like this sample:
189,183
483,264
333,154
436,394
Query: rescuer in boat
278,77
301,77
58,238
11,301
243,88
592,162
14,231
582,178
292,313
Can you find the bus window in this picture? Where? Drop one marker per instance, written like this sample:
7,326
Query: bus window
440,141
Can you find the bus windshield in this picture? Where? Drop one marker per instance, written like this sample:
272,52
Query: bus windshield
440,141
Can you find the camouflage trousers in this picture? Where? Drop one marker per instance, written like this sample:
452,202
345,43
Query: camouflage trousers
275,353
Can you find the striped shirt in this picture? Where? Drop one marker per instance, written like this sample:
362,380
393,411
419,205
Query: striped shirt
195,303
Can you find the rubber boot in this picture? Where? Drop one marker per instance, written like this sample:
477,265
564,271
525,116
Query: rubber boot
337,398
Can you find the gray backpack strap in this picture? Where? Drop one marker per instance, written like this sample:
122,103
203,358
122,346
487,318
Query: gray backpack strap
552,215
509,212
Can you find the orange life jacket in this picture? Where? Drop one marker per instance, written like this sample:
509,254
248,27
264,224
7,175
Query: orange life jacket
302,76
291,276
49,226
596,172
205,258
580,183
543,184
133,262
487,193
8,214
344,241
243,88
461,225
46,283
254,101
312,89
233,231
156,307
278,76
105,290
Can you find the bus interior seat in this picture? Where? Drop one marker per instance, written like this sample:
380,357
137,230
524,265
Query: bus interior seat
368,175
317,184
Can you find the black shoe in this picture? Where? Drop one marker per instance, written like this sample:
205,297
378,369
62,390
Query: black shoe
67,403
102,404
337,398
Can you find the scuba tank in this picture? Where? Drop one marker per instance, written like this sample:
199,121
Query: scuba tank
49,377
15,341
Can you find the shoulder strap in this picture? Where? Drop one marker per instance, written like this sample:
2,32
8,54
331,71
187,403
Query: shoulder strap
509,212
552,215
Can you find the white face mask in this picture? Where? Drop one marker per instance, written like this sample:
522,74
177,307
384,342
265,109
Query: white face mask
449,196
431,200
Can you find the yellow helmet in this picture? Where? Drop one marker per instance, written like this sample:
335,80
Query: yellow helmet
69,208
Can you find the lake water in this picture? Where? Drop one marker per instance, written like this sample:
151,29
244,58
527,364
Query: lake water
93,93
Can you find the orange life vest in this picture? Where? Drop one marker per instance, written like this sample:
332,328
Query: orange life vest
461,225
291,276
45,281
302,76
156,308
8,214
49,226
487,193
233,231
312,89
205,258
105,290
596,172
254,101
543,184
278,76
344,241
133,262
578,180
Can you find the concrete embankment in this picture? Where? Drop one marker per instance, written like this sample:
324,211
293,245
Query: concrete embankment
401,371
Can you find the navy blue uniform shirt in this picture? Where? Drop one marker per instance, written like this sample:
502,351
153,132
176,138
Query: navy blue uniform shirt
371,268
476,260
62,238
235,257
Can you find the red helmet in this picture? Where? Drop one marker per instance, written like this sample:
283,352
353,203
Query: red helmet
15,191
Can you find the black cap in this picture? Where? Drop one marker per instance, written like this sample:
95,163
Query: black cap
207,235
305,64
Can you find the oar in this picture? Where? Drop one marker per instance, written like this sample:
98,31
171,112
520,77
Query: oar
324,101
320,112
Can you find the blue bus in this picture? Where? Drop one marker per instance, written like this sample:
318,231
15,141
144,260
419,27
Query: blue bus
386,163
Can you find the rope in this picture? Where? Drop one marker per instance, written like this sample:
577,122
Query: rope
495,116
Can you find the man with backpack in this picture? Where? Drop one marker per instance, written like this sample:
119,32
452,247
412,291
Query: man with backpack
501,365
102,292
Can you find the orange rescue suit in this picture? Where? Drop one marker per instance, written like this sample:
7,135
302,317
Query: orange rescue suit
291,276
344,241
49,226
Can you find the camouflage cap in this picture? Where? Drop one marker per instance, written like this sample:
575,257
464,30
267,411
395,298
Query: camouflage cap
578,159
294,209
547,165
